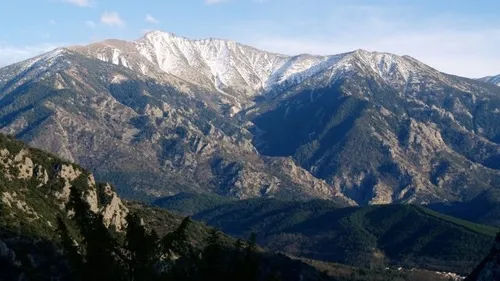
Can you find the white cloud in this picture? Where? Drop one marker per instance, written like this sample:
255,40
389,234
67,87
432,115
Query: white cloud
90,24
149,18
112,19
80,3
13,54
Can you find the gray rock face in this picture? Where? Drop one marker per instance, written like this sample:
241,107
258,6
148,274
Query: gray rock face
22,187
146,136
34,194
165,114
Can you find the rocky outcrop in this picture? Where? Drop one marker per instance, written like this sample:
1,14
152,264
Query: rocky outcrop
114,211
26,175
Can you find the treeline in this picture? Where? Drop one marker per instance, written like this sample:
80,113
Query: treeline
96,253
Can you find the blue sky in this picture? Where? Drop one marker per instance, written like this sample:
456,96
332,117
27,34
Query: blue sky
460,37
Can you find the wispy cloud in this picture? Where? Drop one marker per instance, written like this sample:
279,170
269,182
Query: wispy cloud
149,18
80,3
112,19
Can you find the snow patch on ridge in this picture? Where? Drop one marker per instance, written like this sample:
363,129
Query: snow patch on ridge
492,79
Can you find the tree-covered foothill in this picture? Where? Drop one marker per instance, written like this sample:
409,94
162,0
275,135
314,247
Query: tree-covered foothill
409,236
96,253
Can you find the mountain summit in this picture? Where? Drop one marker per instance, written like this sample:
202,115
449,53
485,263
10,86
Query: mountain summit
165,114
238,73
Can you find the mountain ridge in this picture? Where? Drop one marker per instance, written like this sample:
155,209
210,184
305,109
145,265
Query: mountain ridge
396,235
227,65
360,127
91,106
492,79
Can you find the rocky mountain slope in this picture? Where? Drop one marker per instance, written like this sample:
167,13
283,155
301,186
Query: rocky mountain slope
142,134
492,79
34,191
426,136
35,187
166,114
235,73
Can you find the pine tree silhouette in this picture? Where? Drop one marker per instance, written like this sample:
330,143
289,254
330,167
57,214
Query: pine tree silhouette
99,248
142,250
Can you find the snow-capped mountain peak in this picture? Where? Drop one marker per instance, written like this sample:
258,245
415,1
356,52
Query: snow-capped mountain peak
238,72
229,64
224,63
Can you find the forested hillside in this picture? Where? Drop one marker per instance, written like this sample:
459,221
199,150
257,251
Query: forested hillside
375,236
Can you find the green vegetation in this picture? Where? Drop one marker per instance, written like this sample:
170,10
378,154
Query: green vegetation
168,247
484,208
38,235
374,236
189,203
483,229
140,254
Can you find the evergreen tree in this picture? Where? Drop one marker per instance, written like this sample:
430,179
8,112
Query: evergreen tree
238,261
178,241
141,248
101,255
214,263
139,258
188,263
70,250
251,264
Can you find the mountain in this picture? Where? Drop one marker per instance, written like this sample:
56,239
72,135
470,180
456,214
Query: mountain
36,190
492,79
374,236
144,135
235,73
165,114
386,133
